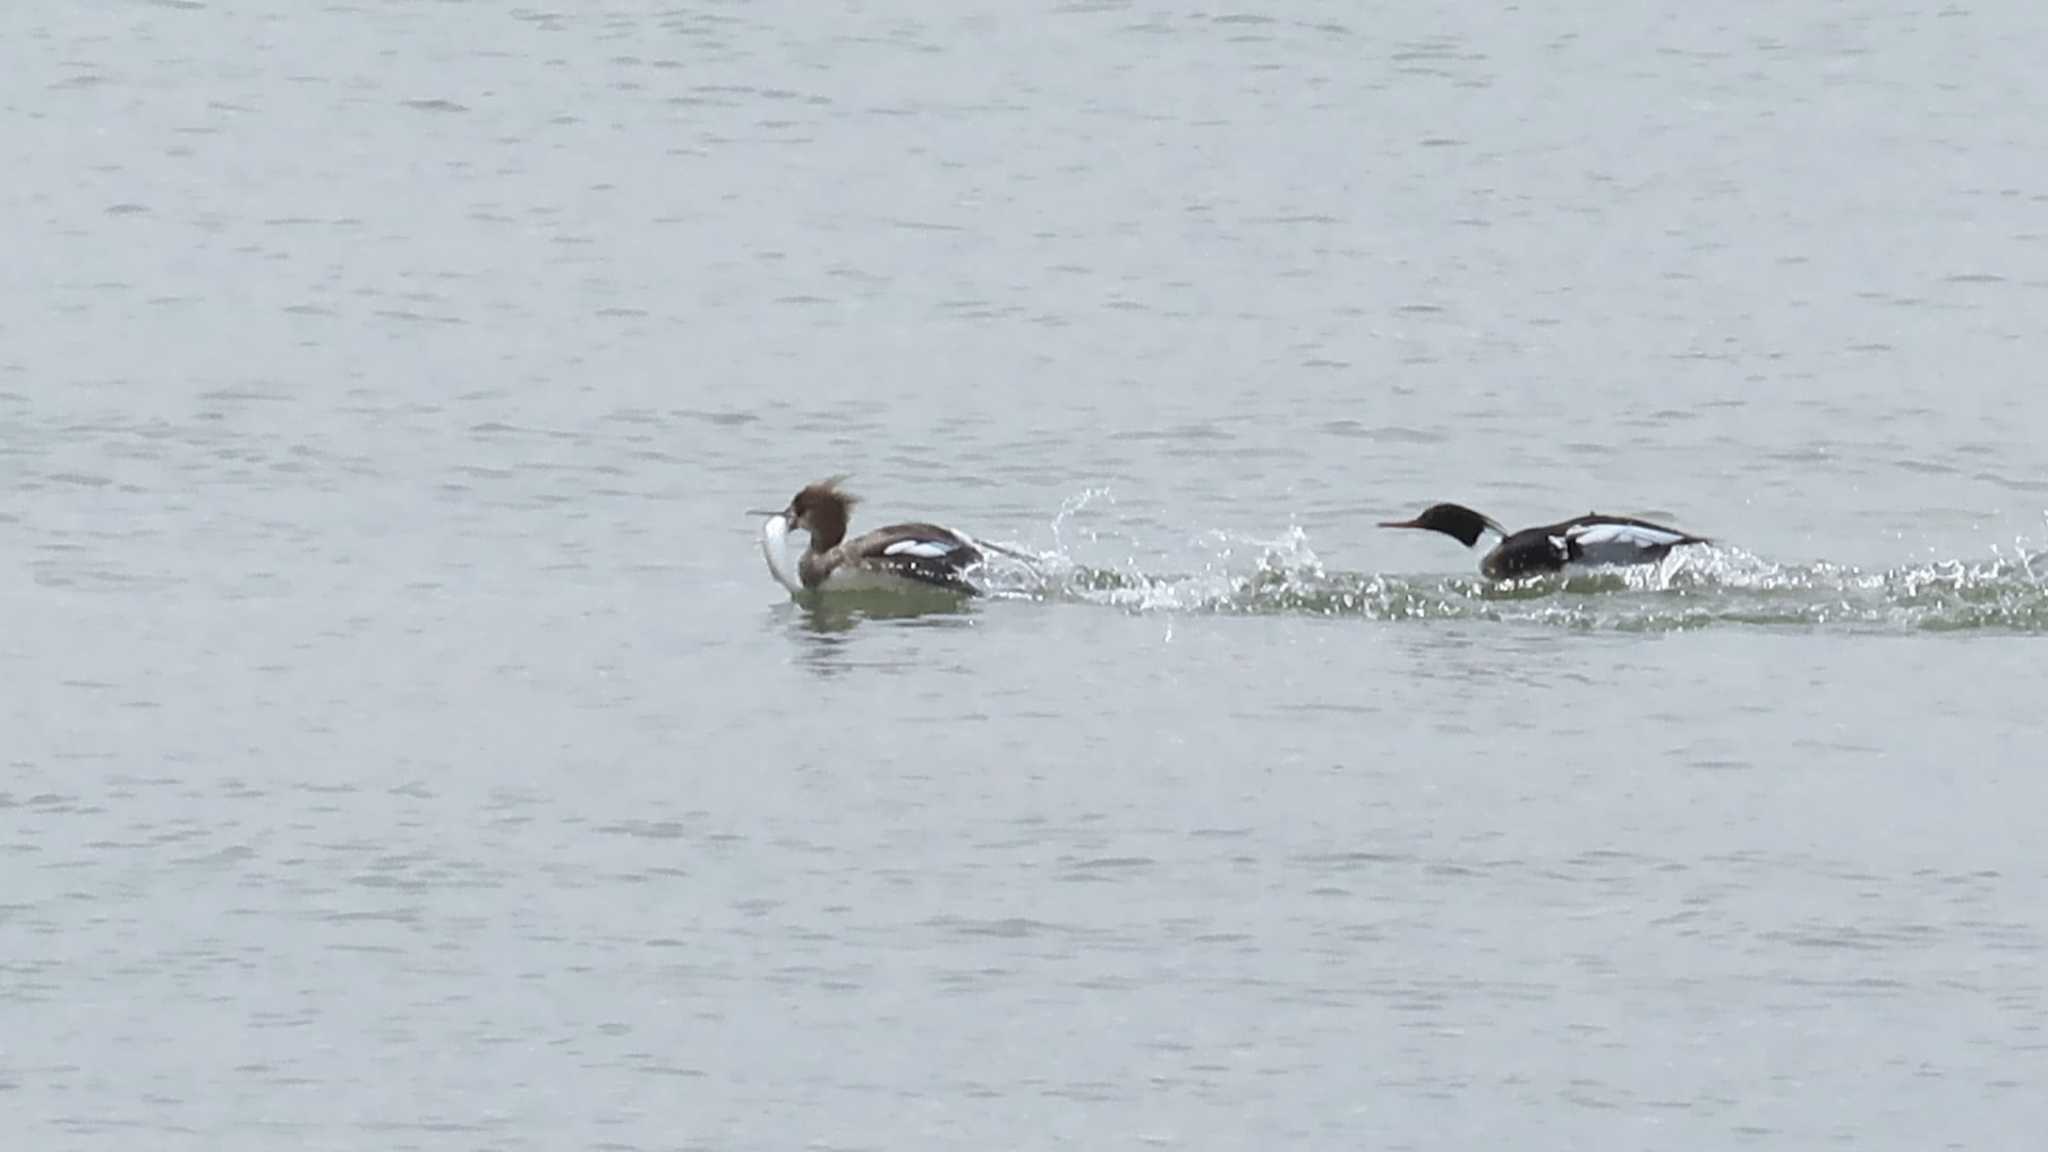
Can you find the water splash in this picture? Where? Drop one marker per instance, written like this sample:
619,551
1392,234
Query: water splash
1698,587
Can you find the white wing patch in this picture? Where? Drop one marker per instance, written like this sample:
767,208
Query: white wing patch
1599,535
922,549
1563,550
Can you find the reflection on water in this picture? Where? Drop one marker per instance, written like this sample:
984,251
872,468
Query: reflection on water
827,628
842,612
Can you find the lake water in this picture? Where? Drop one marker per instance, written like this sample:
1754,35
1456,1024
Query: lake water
405,747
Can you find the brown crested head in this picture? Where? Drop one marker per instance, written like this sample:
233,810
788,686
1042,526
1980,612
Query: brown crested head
823,510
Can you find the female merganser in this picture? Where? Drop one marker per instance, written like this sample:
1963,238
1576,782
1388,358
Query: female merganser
899,557
1591,539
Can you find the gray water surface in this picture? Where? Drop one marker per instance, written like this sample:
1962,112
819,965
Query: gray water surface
402,744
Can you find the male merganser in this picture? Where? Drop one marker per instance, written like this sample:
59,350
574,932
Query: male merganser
899,557
1591,539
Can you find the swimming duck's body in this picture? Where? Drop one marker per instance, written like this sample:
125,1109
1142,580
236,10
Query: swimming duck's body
1591,540
900,557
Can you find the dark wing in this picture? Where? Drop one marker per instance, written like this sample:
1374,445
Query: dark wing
923,552
1525,553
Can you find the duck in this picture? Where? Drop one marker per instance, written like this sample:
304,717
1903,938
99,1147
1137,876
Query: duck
1592,540
900,557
